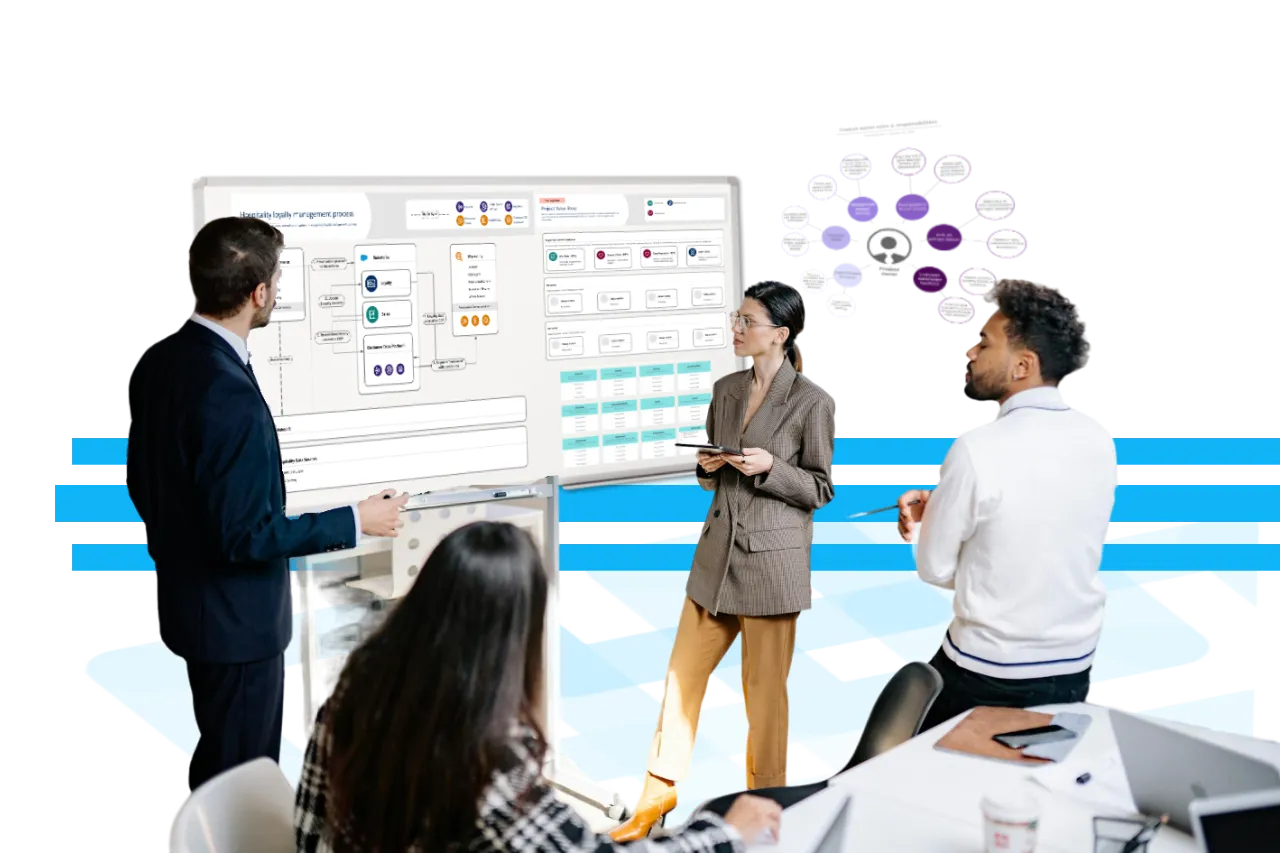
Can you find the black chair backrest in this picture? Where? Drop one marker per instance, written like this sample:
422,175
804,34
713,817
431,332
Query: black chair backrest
899,711
896,717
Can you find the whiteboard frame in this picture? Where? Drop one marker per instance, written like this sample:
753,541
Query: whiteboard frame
567,480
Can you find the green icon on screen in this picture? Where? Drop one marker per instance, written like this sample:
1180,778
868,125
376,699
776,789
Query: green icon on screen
371,313
552,256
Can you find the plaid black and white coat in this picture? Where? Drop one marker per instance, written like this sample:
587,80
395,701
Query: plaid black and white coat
541,822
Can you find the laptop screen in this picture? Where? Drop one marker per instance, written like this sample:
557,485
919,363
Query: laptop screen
1240,831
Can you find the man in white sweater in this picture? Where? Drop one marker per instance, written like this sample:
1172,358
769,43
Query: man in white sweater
1018,519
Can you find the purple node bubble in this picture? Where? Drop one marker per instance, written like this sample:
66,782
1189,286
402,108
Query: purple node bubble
944,238
930,279
377,370
863,209
835,237
847,275
913,207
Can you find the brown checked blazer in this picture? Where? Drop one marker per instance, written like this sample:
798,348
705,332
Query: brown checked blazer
752,558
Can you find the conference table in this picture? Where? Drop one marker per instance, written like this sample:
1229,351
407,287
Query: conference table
917,798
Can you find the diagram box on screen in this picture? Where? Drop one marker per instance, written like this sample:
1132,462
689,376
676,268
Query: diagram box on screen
387,298
291,290
475,288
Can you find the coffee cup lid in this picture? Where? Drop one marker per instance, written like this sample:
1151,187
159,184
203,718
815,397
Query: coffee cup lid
1012,803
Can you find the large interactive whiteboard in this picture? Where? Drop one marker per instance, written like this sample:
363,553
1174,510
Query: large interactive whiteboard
437,332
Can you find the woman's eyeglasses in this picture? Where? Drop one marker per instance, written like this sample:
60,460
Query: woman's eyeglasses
747,323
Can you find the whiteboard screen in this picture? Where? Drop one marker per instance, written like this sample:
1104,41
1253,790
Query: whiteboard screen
430,333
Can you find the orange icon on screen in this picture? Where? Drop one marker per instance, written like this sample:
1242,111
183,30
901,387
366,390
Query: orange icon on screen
475,321
485,319
484,220
464,319
457,256
508,219
459,220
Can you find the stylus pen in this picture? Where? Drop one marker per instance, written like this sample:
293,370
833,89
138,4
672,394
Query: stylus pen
881,509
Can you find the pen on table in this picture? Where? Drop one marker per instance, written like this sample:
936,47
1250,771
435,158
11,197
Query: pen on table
1147,828
1083,777
881,509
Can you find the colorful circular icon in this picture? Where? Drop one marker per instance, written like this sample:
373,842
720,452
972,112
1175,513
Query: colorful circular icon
460,220
670,202
485,319
508,219
552,256
484,220
371,313
459,206
475,320
648,254
600,255
399,369
377,370
651,213
651,202
484,206
508,206
457,256
465,320
388,369
693,252
371,283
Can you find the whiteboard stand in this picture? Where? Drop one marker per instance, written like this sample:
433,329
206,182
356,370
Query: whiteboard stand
380,571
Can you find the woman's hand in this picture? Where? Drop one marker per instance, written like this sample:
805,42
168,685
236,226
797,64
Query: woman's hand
753,461
753,816
710,462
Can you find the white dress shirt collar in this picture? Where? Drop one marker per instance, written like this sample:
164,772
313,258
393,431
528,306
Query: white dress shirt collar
240,345
1042,397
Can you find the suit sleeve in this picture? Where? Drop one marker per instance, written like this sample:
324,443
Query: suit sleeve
708,481
806,484
135,462
233,476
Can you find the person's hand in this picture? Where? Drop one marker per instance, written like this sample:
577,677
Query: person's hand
380,513
752,815
754,460
710,462
910,516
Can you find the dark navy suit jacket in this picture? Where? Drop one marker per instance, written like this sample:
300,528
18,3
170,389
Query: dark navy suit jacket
204,473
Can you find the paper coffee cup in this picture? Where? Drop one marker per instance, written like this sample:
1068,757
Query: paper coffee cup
1010,821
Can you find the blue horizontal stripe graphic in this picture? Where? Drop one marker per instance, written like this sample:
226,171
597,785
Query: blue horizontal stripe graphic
825,558
690,503
898,558
913,451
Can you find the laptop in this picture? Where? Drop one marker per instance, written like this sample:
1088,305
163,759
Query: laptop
1168,769
1238,823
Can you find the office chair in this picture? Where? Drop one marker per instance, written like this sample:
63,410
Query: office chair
247,809
895,718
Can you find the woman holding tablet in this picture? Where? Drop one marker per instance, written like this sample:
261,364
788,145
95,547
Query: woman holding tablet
750,571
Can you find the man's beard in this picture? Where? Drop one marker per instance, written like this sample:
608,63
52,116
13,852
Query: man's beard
976,389
262,318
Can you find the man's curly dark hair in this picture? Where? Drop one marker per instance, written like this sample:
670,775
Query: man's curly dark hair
1044,321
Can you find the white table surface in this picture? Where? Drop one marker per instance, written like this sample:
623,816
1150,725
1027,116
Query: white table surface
917,798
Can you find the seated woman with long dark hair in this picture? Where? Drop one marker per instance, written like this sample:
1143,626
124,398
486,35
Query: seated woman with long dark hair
431,740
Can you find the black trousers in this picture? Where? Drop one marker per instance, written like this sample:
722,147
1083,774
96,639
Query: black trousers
963,690
239,712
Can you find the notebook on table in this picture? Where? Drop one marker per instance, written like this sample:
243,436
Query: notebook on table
973,735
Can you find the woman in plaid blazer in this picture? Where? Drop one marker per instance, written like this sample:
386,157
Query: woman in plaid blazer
431,741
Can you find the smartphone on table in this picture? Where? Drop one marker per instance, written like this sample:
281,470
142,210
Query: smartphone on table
1033,737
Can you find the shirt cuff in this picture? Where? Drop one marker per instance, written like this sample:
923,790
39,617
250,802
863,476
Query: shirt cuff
355,517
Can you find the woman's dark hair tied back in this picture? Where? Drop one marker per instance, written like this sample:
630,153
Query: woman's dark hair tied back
786,308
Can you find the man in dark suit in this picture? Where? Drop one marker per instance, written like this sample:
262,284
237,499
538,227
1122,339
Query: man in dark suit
204,473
